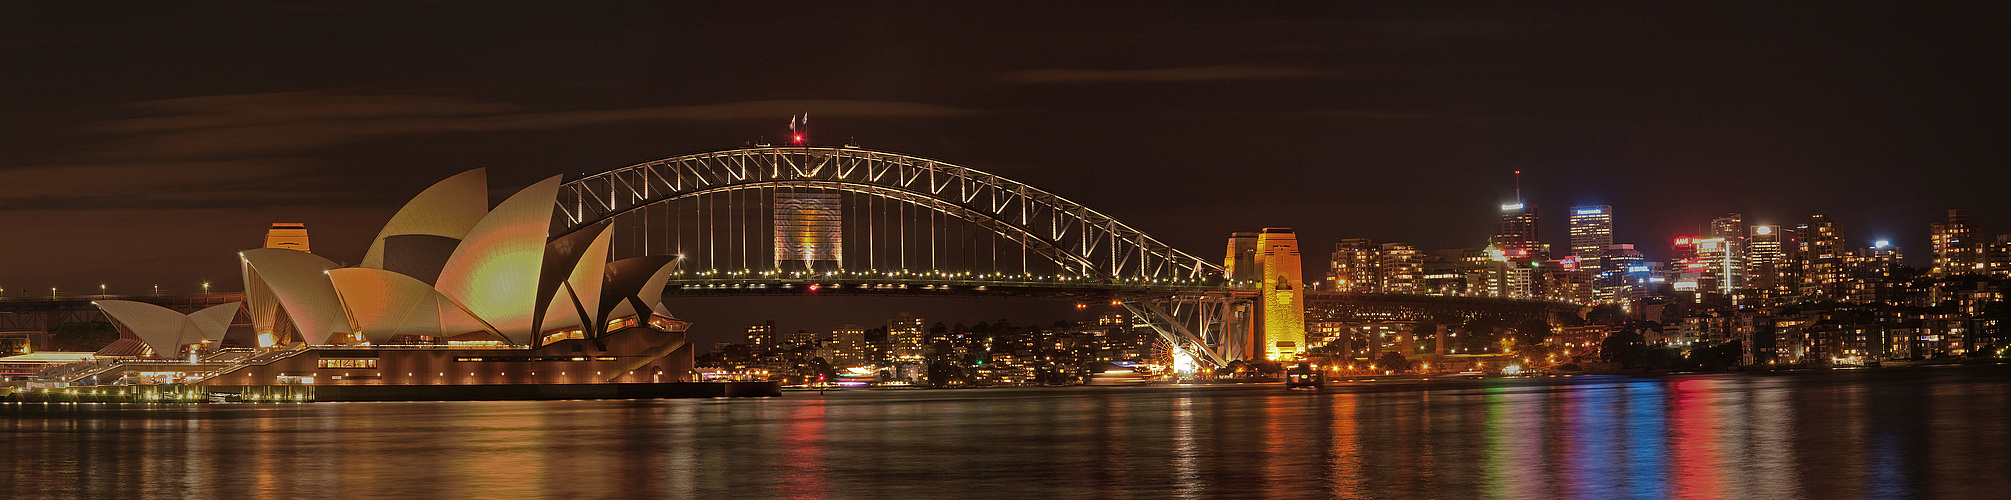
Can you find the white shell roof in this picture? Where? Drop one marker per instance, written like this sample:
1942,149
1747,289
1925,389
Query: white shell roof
298,282
165,330
589,275
494,272
449,209
382,303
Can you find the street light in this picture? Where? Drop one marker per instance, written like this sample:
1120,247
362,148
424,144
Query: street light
205,288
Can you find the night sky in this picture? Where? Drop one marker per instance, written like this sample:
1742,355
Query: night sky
144,143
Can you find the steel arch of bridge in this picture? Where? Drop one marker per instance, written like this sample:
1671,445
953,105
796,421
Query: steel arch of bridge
1082,240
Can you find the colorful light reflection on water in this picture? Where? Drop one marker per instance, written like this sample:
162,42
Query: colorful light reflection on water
1938,432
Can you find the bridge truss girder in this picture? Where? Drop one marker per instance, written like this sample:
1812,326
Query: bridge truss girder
1081,239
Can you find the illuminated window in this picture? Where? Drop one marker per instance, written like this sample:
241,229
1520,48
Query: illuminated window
563,335
346,363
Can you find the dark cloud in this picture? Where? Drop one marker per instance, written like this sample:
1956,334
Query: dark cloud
212,126
237,183
1231,72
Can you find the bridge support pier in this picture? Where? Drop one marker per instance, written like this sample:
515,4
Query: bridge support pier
1407,340
1438,339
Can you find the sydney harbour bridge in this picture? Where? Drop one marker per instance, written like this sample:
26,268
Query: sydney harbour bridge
843,220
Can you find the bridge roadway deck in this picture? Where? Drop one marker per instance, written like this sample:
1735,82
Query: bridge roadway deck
1320,305
939,288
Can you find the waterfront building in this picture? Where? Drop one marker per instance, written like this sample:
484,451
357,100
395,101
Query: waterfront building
849,348
1958,246
511,306
1591,233
1355,266
1768,275
802,337
1399,269
907,339
1875,274
1997,256
761,337
1820,257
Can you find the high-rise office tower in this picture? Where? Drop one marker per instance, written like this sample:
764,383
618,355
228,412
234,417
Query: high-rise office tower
1622,275
1820,258
905,336
1355,266
1731,226
1727,258
1958,245
849,347
1875,274
1515,234
1723,270
1401,269
1591,233
1766,263
1997,256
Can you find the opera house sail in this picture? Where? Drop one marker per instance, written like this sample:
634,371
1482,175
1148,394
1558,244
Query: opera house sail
450,296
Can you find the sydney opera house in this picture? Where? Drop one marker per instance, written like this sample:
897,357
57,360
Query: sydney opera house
452,300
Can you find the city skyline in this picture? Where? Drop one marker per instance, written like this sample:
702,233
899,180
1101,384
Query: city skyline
1034,249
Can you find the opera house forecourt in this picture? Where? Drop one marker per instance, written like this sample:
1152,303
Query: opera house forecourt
452,301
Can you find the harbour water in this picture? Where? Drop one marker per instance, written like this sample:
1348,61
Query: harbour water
1942,432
